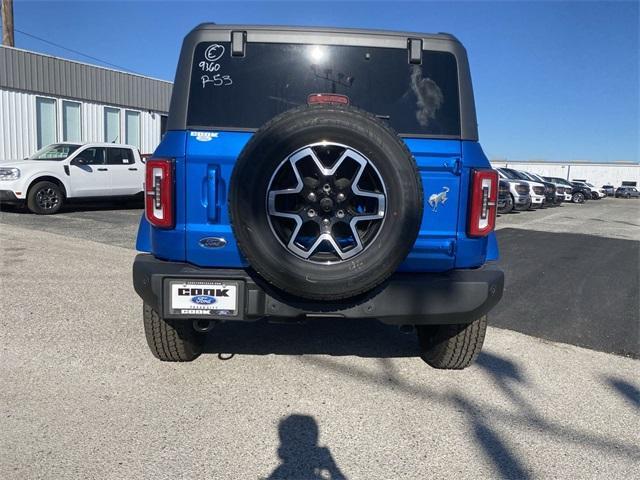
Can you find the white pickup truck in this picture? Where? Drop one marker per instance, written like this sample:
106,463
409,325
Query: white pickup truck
67,171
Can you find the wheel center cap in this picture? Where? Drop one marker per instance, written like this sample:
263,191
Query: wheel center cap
326,204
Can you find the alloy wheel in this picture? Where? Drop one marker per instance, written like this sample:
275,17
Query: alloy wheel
47,198
326,202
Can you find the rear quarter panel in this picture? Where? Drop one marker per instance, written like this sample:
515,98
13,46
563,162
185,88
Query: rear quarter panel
472,252
170,244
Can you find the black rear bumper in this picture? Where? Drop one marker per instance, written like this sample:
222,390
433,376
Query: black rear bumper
459,296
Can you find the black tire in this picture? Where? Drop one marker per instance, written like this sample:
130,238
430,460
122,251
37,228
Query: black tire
509,207
595,196
171,340
577,197
45,198
451,347
265,153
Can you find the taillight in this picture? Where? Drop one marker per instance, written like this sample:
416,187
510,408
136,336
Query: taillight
482,211
158,191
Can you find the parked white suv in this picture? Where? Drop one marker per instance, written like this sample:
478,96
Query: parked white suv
536,188
64,171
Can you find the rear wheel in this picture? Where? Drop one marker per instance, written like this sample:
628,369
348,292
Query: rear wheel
451,347
171,340
577,198
45,198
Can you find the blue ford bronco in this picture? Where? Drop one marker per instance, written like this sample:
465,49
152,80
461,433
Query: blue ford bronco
313,173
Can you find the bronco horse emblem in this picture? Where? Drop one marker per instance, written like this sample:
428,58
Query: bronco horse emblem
437,198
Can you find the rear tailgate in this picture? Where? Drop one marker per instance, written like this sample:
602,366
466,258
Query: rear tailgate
210,160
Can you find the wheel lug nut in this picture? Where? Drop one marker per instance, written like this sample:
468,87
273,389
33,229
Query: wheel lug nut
326,187
311,212
340,213
326,221
340,197
311,197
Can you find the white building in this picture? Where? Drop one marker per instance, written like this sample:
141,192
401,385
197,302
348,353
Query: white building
45,99
598,174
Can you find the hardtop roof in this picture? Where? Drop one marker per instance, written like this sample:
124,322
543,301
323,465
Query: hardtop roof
344,30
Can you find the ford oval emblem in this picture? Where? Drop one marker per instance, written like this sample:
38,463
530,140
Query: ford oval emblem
213,242
203,300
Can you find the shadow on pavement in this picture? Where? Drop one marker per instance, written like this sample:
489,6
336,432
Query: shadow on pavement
495,449
300,455
99,206
81,206
483,419
629,392
500,368
362,338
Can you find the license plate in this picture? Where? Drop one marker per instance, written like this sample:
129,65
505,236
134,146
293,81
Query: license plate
204,297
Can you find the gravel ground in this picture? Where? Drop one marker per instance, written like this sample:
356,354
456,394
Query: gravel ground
81,396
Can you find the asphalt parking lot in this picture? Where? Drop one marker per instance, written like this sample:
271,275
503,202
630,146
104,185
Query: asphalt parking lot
83,398
573,274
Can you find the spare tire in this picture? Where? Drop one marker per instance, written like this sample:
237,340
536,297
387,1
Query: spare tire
325,202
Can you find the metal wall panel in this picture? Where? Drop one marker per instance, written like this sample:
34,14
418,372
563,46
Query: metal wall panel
18,135
37,73
17,113
598,174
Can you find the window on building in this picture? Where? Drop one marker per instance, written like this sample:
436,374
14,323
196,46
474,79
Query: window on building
163,124
111,125
132,128
46,124
119,156
71,122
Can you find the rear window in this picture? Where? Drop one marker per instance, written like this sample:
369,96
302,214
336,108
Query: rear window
246,92
119,156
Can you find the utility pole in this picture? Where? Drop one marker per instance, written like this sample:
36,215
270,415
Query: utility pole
7,23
